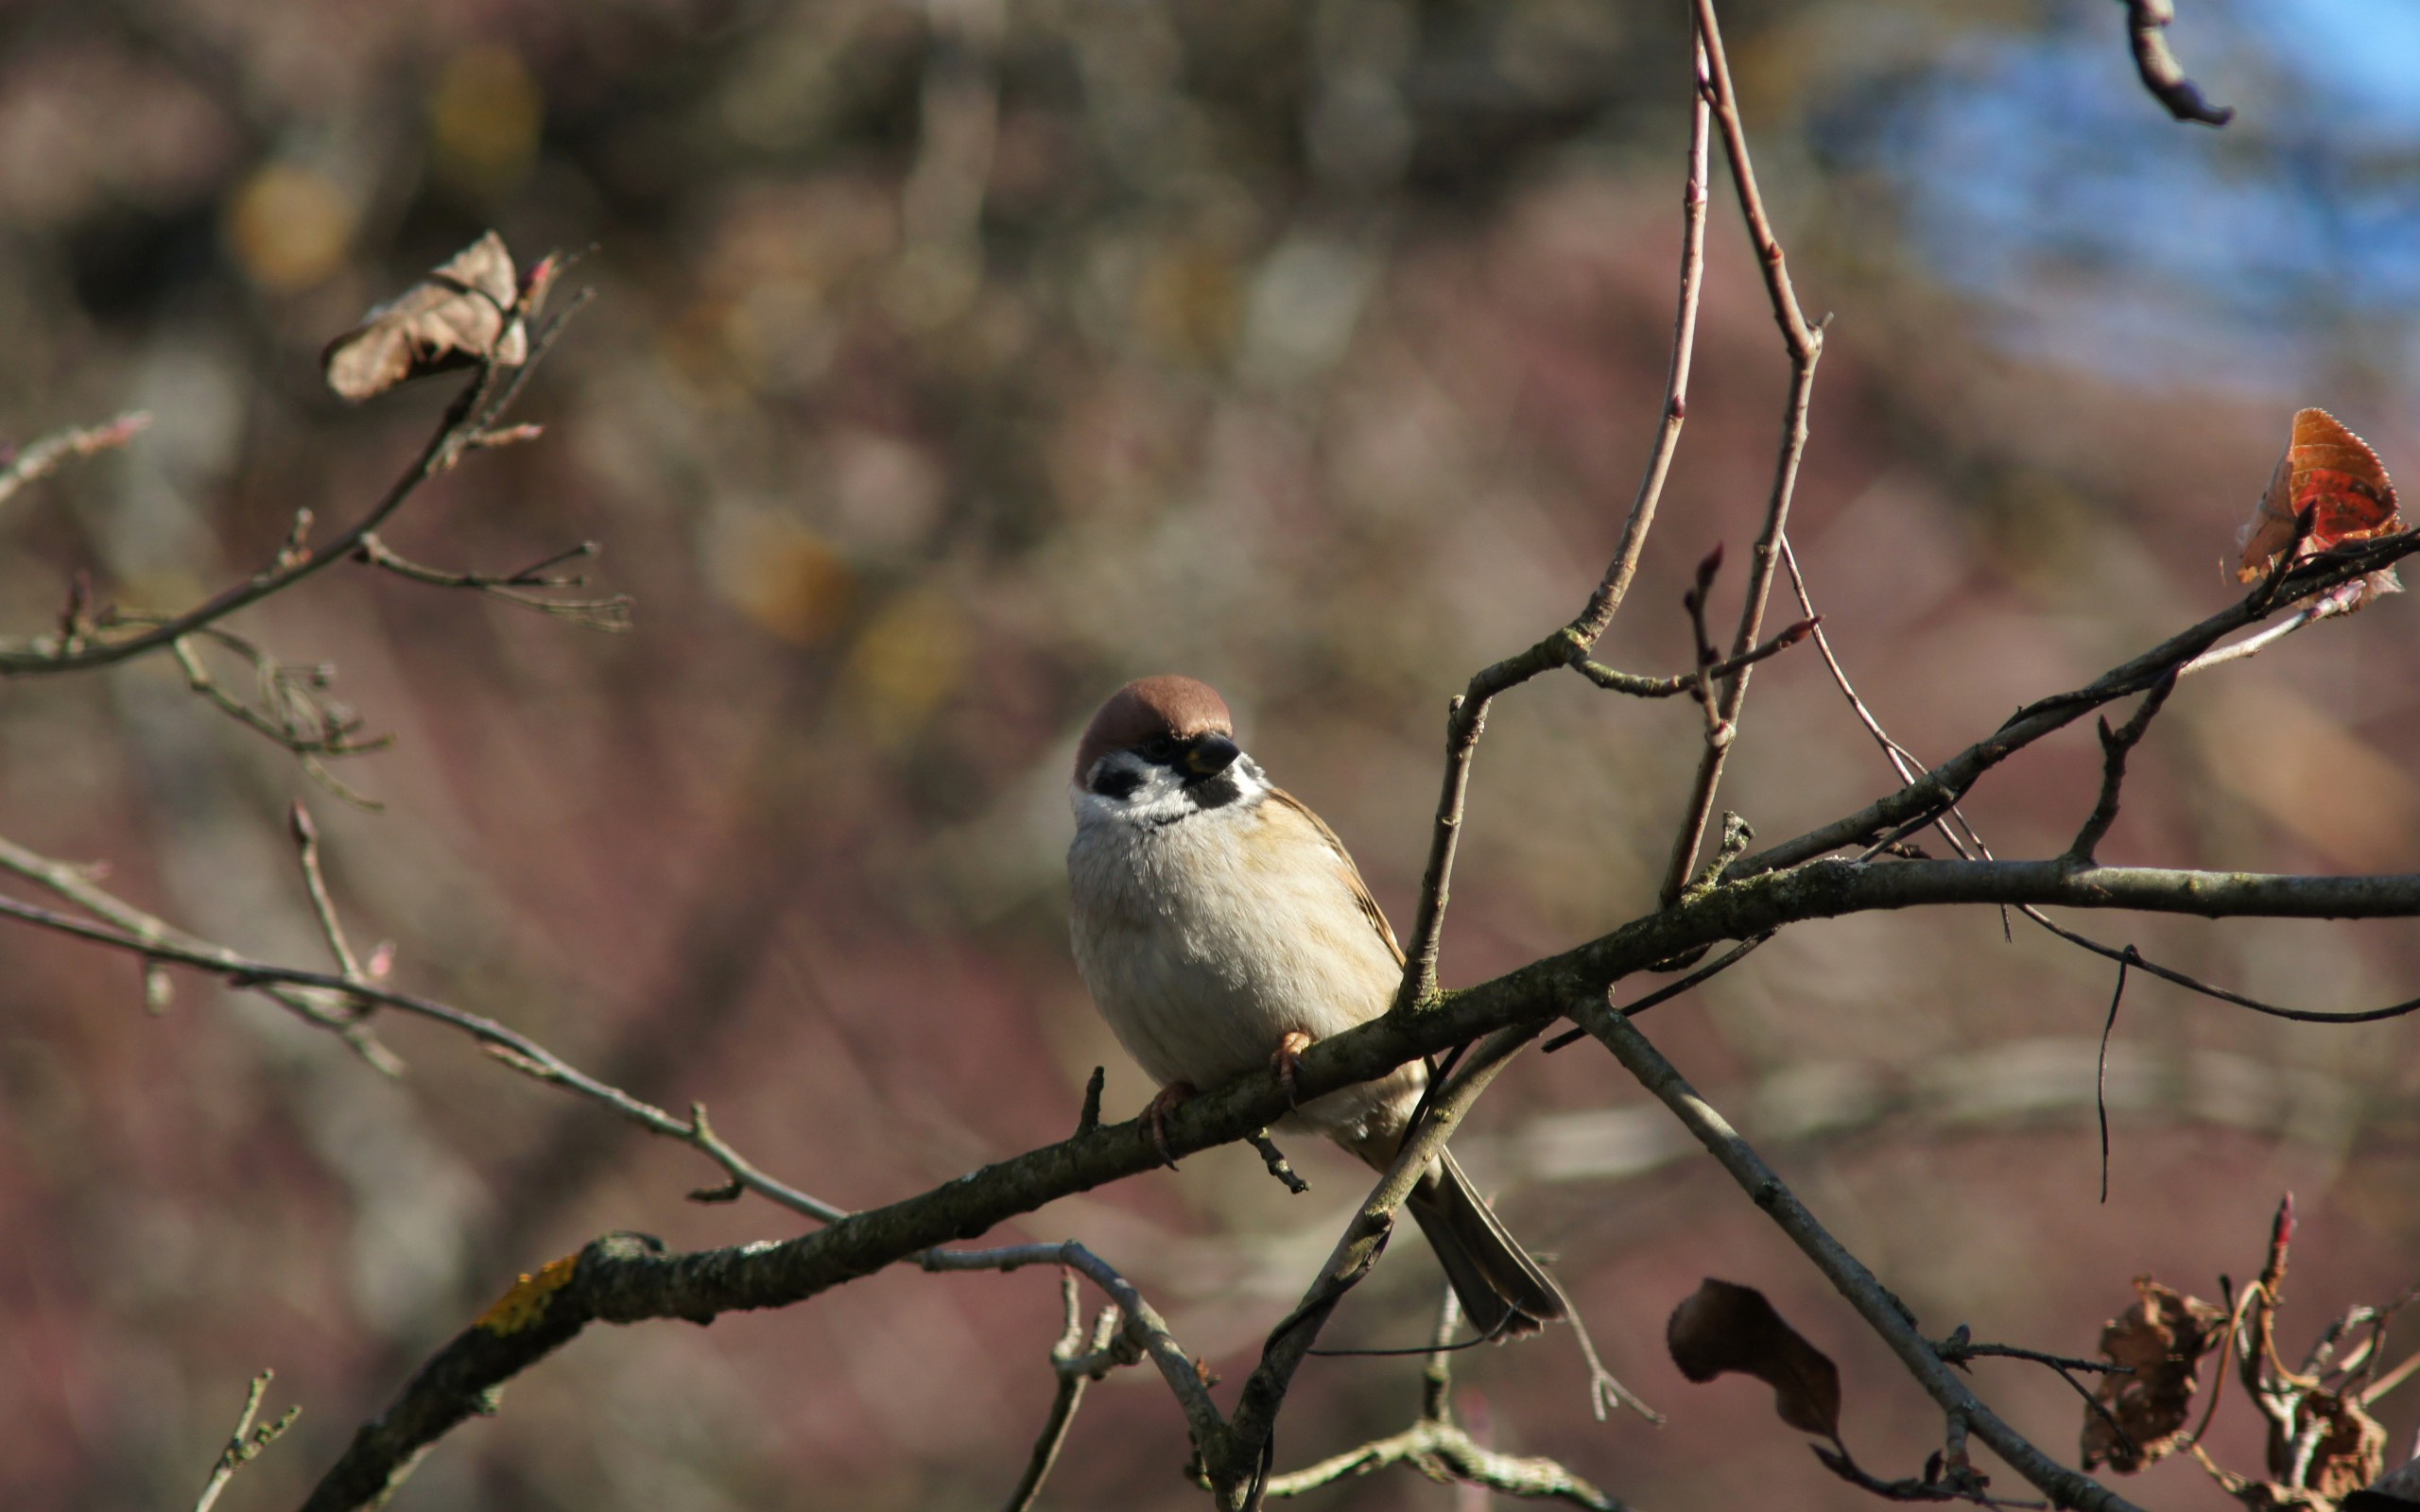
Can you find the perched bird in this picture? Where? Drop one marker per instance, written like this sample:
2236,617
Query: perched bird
1222,929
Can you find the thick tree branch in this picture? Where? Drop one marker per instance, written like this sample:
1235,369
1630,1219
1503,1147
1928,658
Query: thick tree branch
620,1281
1884,1312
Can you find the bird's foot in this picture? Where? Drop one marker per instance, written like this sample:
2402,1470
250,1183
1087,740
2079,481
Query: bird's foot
1156,1117
1289,1051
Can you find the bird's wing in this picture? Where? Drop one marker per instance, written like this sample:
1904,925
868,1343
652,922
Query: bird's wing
1369,909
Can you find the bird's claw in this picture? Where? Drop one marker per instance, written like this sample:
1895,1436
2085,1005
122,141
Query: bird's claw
1156,1117
1289,1051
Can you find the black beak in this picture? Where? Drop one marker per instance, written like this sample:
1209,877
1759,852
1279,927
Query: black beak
1211,755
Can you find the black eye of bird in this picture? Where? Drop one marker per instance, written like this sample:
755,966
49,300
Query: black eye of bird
1159,749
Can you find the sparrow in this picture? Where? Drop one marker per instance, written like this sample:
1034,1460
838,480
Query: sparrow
1222,928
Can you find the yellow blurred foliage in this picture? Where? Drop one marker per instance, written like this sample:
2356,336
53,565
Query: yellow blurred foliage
782,576
287,227
1190,304
483,118
911,655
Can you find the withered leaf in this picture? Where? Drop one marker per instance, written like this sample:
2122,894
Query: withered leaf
2331,475
2350,1449
2162,1338
459,313
1725,1327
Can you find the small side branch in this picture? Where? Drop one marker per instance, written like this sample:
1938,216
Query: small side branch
40,459
1078,1361
1643,687
1884,1312
245,1443
2115,747
333,1001
610,613
2147,31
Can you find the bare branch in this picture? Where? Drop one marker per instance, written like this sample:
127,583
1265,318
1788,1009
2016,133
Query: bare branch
1938,789
1805,343
1442,1451
41,459
474,411
245,1443
1884,1312
1466,715
1077,1361
610,613
329,1001
2115,747
1639,687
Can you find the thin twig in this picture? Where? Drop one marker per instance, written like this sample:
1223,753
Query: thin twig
2115,747
1069,1396
1804,344
1643,687
245,1443
1884,1312
132,930
1466,716
2100,1068
1141,1323
40,459
306,844
1239,1472
610,613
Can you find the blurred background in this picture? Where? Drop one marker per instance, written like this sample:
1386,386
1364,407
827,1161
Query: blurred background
953,364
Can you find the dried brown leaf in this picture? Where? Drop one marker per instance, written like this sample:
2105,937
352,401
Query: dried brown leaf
462,312
2162,1338
2351,1445
1724,1328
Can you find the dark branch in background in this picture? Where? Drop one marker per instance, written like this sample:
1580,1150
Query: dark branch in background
469,423
2146,29
41,459
1883,1312
2100,1066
